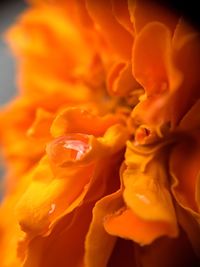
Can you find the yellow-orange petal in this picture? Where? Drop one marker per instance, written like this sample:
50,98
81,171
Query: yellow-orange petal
146,189
53,193
121,12
154,69
149,212
80,120
184,169
128,225
10,234
151,58
99,244
114,139
46,36
186,45
54,190
41,125
120,80
119,40
46,58
65,244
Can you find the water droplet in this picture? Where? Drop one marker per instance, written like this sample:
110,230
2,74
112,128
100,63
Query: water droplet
77,147
68,148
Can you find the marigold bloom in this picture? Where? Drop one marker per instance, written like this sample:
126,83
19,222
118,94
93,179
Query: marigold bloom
102,143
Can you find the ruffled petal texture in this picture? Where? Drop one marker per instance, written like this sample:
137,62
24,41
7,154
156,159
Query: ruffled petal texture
102,142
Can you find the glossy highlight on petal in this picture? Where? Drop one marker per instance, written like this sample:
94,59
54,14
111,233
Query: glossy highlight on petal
128,225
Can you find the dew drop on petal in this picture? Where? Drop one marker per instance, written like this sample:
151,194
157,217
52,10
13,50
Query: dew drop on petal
68,148
77,147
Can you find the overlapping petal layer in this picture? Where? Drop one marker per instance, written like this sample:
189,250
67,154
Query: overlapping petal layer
102,142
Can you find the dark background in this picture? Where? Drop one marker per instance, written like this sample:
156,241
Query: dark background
187,8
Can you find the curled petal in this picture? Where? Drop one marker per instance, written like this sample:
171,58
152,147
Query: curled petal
54,191
41,125
65,244
153,67
146,187
121,12
120,80
49,197
128,225
99,244
186,45
117,37
73,120
147,198
184,168
114,138
152,62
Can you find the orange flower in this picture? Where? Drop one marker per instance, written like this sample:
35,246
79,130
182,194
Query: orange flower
102,143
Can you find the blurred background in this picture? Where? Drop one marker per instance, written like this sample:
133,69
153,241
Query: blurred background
8,13
9,9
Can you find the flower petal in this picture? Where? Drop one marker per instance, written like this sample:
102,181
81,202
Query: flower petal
54,191
130,226
80,120
154,69
121,12
149,204
146,185
186,44
52,194
117,37
64,245
120,80
184,168
38,51
99,244
41,125
10,235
